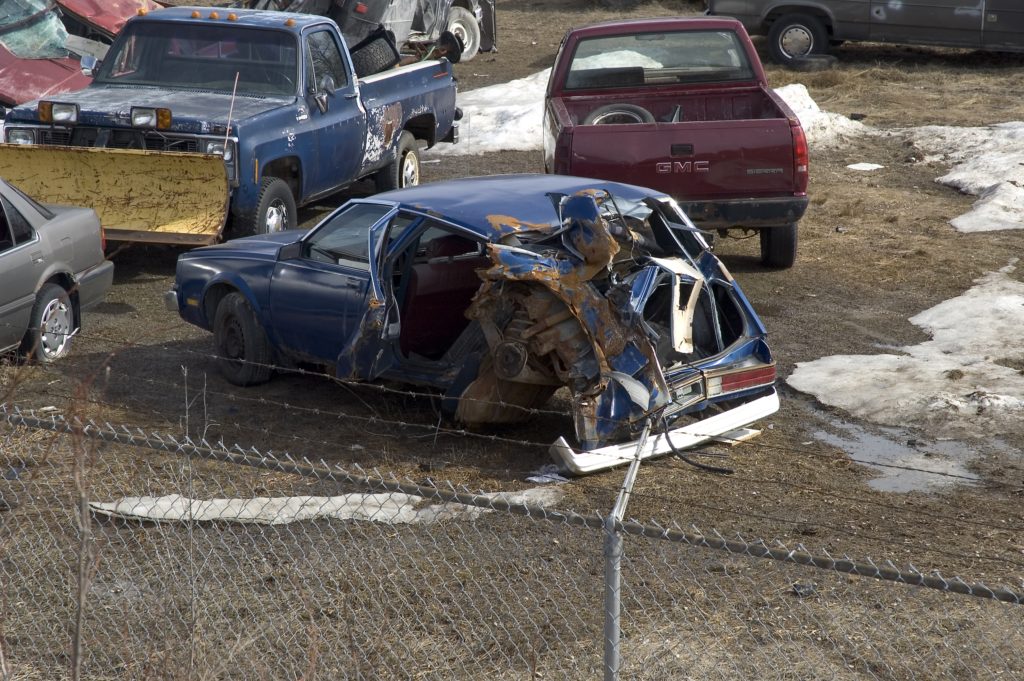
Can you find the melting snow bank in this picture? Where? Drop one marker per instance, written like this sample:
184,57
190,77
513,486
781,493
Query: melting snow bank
391,509
988,162
960,383
509,117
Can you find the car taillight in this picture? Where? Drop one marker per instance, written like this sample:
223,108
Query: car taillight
801,158
742,379
360,8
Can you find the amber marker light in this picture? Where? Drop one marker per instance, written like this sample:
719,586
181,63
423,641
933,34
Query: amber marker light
163,119
214,15
45,111
196,14
142,11
232,17
289,23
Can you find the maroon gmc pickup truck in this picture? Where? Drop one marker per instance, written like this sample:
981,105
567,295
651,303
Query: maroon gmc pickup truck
681,105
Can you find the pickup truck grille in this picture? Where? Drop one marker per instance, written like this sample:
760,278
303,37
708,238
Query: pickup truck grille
117,139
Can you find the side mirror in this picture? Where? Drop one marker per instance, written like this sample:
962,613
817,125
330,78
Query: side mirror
89,64
326,88
292,251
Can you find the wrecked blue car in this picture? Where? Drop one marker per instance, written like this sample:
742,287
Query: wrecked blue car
498,291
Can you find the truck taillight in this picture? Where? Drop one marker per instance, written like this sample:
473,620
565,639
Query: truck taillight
801,158
736,381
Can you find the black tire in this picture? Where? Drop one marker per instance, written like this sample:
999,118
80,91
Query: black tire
793,36
463,24
376,56
778,246
275,210
618,114
404,171
243,351
51,326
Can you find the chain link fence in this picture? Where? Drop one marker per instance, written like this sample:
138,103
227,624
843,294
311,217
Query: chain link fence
126,555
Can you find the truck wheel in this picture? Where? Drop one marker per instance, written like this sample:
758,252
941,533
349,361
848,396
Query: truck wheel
463,24
275,209
796,35
778,246
618,114
53,321
404,171
242,348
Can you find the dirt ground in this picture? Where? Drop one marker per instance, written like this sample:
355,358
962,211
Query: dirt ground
874,250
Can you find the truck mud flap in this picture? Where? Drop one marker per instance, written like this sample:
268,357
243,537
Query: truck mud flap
154,197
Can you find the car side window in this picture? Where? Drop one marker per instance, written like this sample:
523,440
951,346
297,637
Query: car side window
324,58
6,240
343,238
19,227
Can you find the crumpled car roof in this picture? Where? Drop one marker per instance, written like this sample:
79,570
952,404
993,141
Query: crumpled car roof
471,203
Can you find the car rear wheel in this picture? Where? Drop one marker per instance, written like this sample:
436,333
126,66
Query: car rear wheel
404,171
463,24
778,246
794,36
275,209
53,321
242,348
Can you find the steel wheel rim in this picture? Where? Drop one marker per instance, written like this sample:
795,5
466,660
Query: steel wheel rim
461,32
233,345
410,171
55,328
796,41
277,217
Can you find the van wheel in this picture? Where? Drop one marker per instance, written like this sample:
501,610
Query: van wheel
243,351
796,35
778,246
610,114
463,24
404,171
275,210
53,321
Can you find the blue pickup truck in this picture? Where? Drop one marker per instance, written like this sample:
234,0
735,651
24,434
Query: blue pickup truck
197,114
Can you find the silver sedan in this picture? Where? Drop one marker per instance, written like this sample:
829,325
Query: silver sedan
52,268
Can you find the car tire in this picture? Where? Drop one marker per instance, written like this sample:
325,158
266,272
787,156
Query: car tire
243,352
275,209
50,327
778,246
618,114
404,171
376,56
793,36
463,24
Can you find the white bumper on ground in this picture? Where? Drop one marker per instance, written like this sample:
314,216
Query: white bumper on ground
685,437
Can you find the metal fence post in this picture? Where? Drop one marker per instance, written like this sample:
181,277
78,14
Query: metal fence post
613,550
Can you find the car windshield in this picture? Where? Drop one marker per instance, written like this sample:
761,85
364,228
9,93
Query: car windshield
345,235
205,57
30,29
652,59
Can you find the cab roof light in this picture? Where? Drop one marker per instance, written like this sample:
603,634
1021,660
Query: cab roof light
196,14
232,17
142,11
214,15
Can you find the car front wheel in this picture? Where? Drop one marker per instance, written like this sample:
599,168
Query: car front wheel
53,321
242,348
275,209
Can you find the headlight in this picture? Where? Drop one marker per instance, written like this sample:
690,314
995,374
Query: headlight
20,136
221,149
143,117
55,112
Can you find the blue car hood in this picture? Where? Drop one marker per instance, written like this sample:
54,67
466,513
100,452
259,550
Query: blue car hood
110,105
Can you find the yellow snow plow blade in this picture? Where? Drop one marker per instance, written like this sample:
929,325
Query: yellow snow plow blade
158,197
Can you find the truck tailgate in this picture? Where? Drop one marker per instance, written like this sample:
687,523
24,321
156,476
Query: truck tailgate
691,160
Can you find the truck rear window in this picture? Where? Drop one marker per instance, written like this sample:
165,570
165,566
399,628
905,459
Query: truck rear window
204,57
652,59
